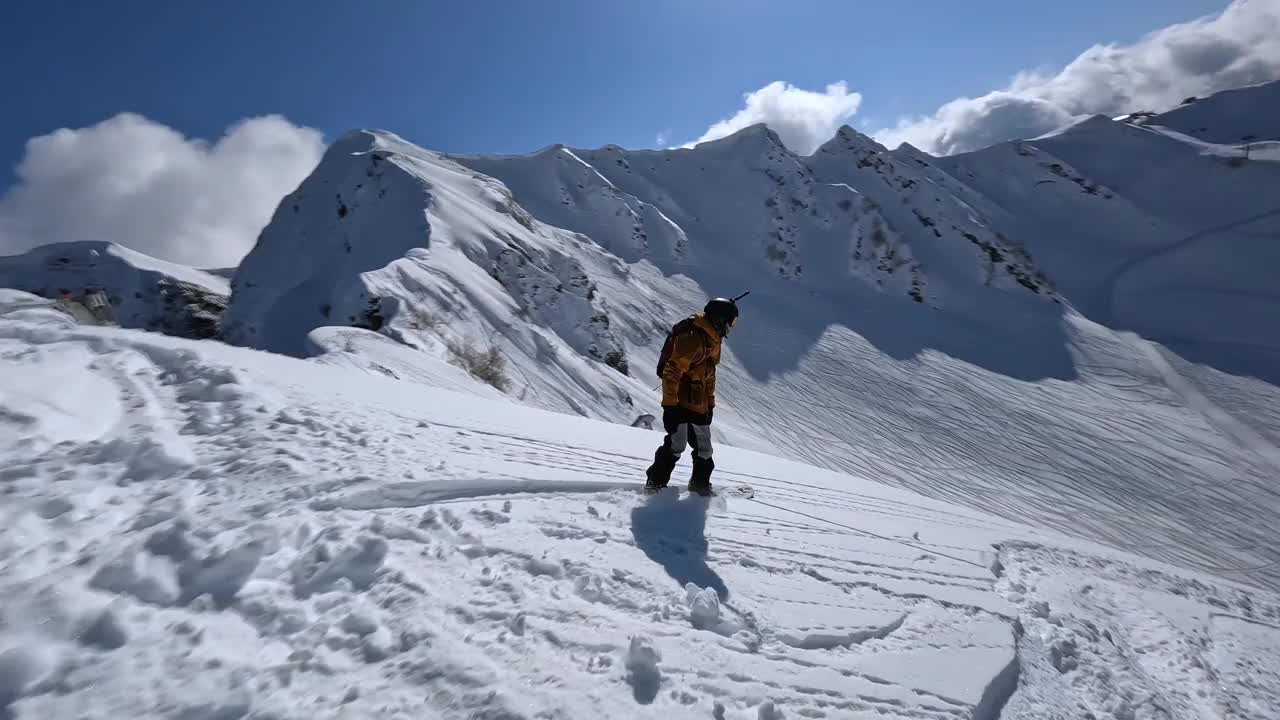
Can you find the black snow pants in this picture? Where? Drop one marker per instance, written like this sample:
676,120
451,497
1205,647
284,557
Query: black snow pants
683,429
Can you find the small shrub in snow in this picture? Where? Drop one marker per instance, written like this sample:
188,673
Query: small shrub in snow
618,361
488,366
371,318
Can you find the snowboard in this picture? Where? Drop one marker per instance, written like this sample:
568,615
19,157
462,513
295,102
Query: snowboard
726,491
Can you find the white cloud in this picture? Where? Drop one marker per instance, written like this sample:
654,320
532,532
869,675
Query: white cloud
662,139
141,184
1239,47
803,119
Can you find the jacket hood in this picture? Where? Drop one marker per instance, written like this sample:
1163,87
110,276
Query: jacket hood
708,327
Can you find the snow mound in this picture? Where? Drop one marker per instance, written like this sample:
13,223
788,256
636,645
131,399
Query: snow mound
51,395
704,606
17,305
643,672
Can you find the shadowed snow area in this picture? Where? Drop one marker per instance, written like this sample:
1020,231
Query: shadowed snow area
225,533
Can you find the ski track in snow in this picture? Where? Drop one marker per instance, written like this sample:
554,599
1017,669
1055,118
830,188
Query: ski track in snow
259,537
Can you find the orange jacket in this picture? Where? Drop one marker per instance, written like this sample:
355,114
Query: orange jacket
689,378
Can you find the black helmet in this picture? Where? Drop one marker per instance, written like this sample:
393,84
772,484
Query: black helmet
721,309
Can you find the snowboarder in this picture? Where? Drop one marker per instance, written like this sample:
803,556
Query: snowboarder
687,366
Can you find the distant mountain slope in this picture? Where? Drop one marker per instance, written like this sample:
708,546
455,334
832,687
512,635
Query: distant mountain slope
1241,115
143,292
1141,229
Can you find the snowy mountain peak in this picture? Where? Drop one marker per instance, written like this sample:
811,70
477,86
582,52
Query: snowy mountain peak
366,139
759,136
848,138
913,153
919,224
391,238
1100,124
356,139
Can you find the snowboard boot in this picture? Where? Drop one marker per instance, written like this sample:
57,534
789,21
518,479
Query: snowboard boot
659,473
700,480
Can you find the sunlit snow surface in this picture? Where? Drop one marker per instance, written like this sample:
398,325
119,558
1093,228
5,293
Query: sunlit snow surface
198,531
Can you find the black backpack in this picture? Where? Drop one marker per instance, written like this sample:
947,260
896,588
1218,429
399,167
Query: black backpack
684,325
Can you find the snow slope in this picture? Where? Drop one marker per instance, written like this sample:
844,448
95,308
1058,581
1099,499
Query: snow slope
144,292
372,352
225,533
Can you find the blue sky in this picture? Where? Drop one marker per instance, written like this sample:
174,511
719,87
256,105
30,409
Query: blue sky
514,76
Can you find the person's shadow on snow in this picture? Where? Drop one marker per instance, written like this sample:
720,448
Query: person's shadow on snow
671,531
